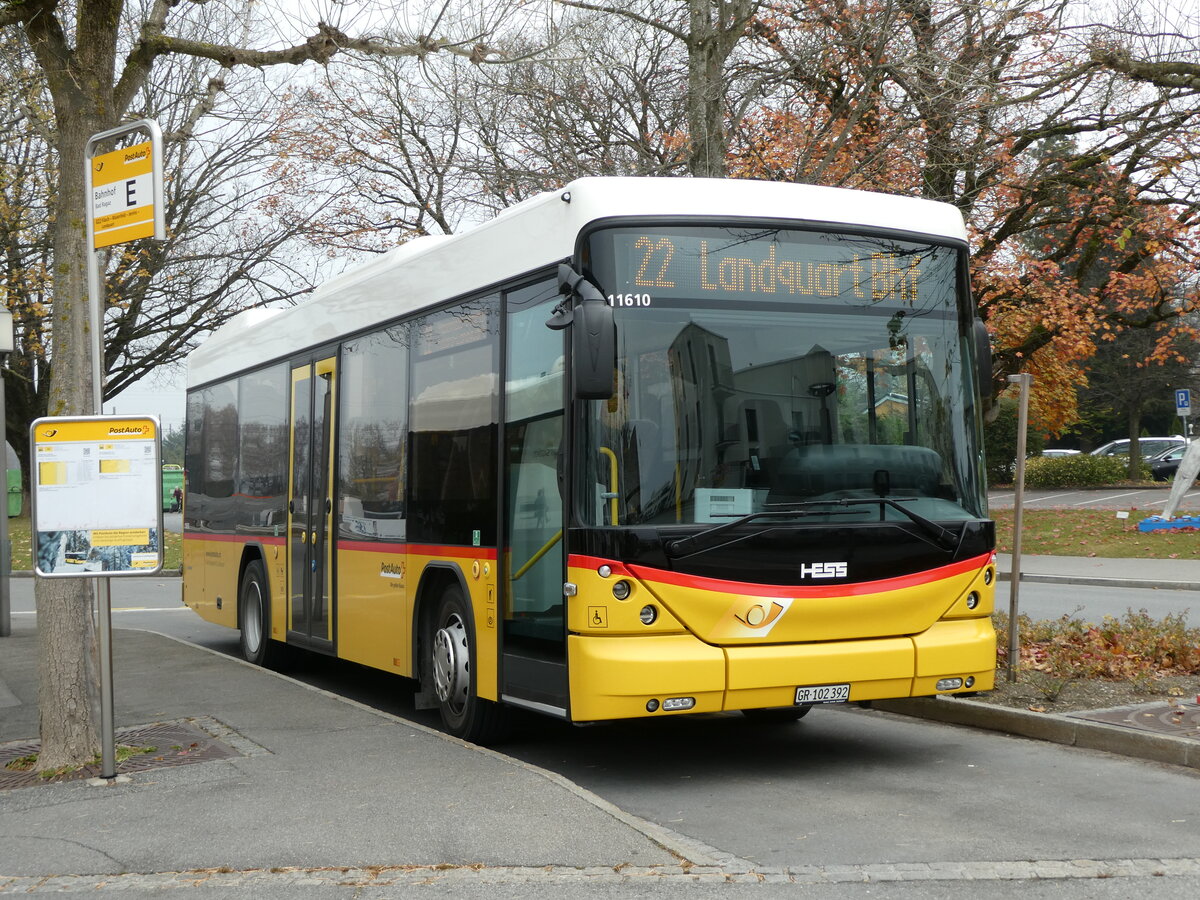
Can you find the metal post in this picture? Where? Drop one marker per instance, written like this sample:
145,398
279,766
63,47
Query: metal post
1014,632
5,552
101,598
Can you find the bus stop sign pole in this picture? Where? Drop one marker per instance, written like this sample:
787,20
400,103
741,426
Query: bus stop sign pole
1024,380
124,191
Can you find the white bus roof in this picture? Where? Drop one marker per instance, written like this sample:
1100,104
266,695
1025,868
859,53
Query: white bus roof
531,235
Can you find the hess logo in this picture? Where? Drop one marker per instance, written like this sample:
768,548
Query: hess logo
823,570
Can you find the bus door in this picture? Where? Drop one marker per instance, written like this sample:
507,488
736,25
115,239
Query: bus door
310,505
534,667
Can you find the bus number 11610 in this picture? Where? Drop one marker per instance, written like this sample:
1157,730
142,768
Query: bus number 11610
628,299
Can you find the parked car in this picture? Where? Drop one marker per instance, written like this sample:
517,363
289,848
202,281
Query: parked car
1148,447
1164,466
1058,451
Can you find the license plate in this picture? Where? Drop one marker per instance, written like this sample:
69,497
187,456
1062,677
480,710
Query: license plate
823,693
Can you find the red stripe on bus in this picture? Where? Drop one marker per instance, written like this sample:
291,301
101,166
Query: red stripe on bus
368,546
418,549
235,538
464,552
373,546
703,583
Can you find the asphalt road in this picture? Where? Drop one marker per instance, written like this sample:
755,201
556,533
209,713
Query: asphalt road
1151,499
845,786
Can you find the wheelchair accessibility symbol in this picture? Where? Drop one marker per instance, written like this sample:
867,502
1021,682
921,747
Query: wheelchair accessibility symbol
598,616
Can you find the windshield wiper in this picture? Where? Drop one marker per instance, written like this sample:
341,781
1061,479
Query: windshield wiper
704,539
943,537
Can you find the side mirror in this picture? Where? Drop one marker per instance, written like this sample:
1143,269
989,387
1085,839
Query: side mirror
594,350
983,356
593,334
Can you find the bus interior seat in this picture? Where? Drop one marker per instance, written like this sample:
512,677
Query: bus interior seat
817,469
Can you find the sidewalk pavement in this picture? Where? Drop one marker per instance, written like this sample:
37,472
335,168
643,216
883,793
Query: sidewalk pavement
357,785
354,785
1166,574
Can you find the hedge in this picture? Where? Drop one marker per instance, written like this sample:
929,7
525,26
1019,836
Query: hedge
1082,470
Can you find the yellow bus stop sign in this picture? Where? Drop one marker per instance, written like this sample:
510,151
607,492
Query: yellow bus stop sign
97,501
122,195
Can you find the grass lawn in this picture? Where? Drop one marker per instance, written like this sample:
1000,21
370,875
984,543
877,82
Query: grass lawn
22,546
1094,532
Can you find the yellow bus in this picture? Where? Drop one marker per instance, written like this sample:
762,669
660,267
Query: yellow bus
634,448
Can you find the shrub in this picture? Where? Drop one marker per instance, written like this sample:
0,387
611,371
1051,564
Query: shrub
1082,470
1134,647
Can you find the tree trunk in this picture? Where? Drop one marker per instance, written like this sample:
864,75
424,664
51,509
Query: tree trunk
706,92
66,632
1135,450
67,673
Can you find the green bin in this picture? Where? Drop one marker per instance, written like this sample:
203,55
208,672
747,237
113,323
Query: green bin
14,481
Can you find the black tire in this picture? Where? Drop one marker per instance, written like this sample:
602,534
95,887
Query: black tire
450,663
780,715
254,615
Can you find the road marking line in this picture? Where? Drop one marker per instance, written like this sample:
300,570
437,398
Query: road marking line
1189,495
1111,497
1052,497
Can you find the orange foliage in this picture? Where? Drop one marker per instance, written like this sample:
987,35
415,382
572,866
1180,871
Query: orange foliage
1068,248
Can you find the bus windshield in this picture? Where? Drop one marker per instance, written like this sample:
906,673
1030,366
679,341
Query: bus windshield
761,369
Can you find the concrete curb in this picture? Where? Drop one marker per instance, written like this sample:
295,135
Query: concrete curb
1056,728
1097,581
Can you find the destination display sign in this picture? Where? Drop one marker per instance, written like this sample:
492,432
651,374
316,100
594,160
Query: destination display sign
766,264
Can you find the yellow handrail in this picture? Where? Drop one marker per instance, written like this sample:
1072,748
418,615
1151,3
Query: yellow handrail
533,559
612,461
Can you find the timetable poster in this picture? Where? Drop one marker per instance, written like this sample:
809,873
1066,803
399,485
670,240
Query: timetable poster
97,496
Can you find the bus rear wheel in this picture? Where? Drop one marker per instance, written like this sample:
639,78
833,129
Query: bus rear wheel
254,615
451,665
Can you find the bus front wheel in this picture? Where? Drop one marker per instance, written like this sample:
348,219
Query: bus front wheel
779,715
451,664
254,615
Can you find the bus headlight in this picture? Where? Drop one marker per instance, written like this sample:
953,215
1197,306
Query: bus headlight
648,614
678,703
622,589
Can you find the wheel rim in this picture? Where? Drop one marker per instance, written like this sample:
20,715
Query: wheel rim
252,617
452,663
